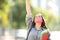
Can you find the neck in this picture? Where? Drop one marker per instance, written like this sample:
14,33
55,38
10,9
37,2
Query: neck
37,26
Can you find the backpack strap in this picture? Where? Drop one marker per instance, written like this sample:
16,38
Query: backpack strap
29,32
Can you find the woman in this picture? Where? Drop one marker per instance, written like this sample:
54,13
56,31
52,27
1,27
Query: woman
37,23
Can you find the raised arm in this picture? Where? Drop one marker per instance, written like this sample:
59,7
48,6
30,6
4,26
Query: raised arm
29,14
28,9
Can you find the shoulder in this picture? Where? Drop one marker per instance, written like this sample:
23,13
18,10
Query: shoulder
45,30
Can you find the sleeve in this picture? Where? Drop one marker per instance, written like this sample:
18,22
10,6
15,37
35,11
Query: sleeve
29,20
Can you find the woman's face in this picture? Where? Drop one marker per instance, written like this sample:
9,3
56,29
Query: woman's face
38,19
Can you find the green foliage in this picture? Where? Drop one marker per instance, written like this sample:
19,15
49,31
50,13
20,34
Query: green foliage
2,3
18,13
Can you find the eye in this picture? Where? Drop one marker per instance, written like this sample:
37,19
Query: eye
38,16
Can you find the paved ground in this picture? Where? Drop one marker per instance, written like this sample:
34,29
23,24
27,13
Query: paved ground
6,38
9,38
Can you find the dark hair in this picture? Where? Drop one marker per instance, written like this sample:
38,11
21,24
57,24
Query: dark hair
42,24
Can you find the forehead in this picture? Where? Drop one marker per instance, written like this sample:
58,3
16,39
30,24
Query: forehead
38,14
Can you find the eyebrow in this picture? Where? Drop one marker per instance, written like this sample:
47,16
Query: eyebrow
38,16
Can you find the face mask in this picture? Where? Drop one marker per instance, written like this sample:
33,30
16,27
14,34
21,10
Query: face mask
38,20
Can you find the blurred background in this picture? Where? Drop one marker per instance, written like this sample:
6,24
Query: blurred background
13,12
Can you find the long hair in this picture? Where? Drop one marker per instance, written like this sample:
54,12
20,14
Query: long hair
42,24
